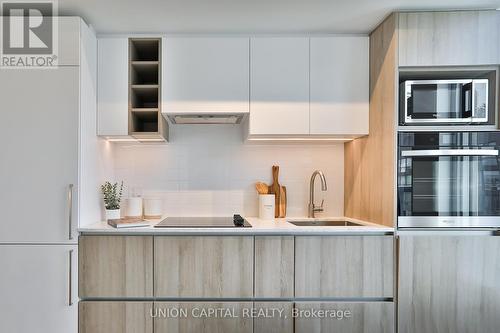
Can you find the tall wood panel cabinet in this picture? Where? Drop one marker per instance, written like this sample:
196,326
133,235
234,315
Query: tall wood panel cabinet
369,162
407,40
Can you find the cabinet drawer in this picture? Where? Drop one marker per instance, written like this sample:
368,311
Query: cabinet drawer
202,317
369,317
344,266
115,266
274,266
449,283
273,317
115,317
203,266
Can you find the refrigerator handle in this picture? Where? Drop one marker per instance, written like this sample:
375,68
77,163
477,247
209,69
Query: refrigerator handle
70,211
70,279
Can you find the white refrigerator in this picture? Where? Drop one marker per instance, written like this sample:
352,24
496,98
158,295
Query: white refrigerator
40,150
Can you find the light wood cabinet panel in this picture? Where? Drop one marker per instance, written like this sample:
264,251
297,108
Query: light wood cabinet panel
204,266
116,266
274,266
273,317
339,85
369,317
279,86
344,266
449,38
369,162
195,317
449,284
206,74
115,317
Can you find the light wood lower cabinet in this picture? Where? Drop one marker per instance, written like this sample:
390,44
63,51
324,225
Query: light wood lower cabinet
115,266
274,266
449,284
337,317
344,266
202,317
115,317
273,317
204,266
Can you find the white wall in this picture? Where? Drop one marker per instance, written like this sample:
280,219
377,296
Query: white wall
95,161
208,170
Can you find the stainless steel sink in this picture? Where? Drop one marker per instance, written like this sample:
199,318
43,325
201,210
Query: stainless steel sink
324,223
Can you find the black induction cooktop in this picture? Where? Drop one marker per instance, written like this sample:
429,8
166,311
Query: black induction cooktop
204,222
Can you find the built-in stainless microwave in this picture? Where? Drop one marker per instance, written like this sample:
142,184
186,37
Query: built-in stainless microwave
449,179
439,102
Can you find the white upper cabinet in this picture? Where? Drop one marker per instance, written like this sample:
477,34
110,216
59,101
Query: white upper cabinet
449,38
206,75
292,87
339,85
279,86
112,95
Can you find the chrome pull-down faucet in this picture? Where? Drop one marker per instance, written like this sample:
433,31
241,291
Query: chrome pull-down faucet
312,207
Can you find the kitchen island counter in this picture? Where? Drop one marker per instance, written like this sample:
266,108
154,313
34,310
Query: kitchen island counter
279,226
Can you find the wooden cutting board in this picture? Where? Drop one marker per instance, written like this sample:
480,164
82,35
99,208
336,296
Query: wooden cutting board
279,193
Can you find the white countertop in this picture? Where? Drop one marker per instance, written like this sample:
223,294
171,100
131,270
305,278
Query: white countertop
259,227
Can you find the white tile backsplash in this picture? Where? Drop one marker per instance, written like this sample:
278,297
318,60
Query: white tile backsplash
209,170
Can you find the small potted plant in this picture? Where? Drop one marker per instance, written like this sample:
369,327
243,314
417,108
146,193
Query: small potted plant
112,197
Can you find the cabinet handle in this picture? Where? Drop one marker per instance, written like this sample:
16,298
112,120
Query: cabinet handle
70,282
70,211
450,152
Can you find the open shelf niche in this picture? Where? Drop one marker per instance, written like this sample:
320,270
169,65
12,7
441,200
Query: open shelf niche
145,120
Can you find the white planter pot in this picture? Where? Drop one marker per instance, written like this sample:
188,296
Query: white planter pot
112,214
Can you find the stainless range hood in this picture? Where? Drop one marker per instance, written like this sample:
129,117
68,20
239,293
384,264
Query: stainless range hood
213,119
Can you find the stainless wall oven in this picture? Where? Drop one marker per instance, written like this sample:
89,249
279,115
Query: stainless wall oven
448,180
454,102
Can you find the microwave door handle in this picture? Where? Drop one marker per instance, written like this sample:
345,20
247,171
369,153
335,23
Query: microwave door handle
450,152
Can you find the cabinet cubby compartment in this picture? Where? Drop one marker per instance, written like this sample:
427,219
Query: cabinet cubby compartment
144,97
145,120
144,49
144,72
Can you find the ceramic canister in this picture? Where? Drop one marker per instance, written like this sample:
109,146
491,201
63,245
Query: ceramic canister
152,208
266,206
134,207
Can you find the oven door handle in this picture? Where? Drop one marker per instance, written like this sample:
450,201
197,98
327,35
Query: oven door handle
450,152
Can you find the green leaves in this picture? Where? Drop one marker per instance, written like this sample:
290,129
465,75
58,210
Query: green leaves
112,195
